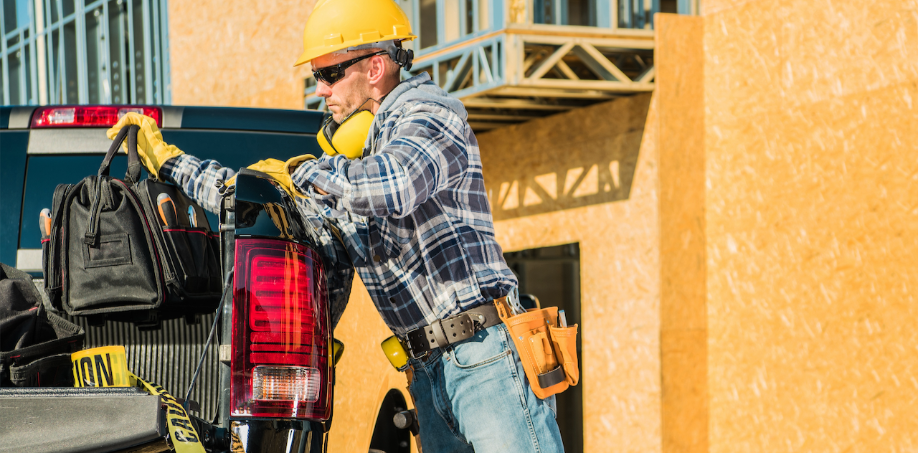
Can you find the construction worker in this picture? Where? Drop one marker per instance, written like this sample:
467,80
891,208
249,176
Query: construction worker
410,203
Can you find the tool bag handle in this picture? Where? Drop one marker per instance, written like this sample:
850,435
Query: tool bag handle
131,176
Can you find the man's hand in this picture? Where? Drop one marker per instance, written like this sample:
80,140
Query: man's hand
152,149
280,171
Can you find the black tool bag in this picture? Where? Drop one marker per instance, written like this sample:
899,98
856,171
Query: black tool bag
118,250
35,345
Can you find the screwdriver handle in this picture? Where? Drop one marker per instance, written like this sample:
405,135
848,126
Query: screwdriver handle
44,223
192,217
166,209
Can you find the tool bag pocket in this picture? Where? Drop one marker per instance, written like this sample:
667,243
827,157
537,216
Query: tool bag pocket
532,336
110,257
565,342
32,340
196,259
190,245
52,371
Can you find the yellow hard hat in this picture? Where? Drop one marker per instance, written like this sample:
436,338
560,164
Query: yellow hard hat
339,24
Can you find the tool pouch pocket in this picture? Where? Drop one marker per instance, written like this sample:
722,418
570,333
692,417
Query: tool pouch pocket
565,342
543,363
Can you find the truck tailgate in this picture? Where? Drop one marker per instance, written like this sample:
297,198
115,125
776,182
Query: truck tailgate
81,420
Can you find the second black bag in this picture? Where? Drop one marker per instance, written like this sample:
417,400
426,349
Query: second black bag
128,249
35,345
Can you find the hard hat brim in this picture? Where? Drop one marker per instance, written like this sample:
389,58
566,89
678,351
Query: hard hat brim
313,53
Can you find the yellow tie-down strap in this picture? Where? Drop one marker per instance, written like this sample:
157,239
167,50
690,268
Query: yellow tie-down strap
184,438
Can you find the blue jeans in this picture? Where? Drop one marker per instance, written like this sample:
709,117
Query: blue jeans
474,397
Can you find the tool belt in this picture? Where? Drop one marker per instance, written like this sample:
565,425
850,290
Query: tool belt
547,350
422,341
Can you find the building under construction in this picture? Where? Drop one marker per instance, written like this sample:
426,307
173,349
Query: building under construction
724,195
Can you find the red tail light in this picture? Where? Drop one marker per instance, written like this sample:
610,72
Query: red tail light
90,116
281,365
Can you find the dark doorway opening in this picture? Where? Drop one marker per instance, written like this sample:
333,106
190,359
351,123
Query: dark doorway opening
553,275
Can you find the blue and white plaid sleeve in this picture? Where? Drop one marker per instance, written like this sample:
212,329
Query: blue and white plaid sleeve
197,178
424,155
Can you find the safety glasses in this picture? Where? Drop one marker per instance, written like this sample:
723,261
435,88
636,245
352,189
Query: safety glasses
332,74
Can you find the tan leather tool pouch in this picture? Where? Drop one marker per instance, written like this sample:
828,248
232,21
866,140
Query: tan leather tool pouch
534,334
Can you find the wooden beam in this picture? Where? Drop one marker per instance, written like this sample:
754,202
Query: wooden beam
623,44
549,62
598,85
647,76
499,117
486,126
573,31
568,72
521,104
604,62
551,93
485,65
527,63
454,75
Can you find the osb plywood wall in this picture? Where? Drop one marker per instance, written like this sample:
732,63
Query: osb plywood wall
683,327
595,159
238,54
364,375
812,224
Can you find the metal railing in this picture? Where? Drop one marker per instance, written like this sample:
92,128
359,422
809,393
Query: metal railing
461,45
442,23
84,52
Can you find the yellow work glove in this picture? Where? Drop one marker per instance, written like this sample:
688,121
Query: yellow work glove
280,171
152,149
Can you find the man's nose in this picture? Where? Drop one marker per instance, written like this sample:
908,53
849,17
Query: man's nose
322,89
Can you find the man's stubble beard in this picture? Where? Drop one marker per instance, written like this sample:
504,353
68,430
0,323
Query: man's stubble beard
356,99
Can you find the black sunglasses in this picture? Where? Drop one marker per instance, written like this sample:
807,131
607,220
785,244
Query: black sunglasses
332,74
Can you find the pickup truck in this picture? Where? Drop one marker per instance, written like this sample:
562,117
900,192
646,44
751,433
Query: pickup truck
35,156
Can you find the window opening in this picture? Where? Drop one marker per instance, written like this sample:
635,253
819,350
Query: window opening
76,52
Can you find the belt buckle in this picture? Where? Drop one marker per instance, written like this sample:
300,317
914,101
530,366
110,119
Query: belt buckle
407,344
422,358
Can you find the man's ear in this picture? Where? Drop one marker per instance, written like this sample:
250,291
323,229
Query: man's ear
377,69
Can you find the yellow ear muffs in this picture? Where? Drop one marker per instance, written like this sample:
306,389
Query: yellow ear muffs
348,137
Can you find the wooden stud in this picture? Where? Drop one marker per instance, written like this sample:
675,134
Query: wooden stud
549,62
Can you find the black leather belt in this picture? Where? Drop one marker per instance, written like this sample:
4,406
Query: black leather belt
422,341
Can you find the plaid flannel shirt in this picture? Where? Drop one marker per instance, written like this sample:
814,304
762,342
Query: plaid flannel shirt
413,213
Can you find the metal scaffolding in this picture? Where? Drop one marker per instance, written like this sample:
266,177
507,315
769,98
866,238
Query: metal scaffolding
84,52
